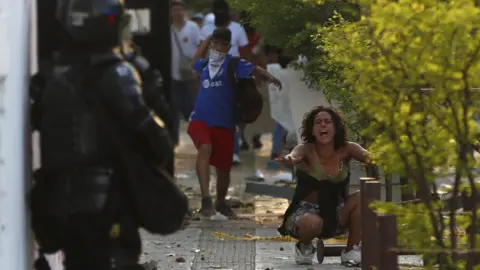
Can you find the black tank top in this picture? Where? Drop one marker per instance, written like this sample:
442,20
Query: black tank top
330,195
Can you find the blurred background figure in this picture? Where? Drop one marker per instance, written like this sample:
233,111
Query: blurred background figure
209,19
276,65
198,19
185,40
255,51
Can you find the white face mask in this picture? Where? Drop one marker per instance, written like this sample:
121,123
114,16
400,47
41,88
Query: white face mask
216,56
215,61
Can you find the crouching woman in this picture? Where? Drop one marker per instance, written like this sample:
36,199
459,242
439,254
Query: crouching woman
321,206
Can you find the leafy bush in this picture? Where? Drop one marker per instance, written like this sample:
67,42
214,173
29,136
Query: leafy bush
412,67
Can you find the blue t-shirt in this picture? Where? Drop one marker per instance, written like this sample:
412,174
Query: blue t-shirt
214,103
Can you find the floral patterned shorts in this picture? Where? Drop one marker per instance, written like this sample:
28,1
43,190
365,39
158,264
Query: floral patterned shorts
305,208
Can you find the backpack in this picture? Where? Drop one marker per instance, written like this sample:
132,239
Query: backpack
248,101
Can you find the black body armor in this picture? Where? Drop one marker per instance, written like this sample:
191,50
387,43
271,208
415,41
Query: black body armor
153,88
74,142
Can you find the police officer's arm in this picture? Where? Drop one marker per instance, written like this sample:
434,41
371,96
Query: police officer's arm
123,97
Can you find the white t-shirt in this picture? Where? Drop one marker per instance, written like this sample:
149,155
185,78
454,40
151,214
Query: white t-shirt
209,19
279,99
189,39
239,36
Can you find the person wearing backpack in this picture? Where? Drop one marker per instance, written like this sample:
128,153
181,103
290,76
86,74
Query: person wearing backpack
102,149
225,98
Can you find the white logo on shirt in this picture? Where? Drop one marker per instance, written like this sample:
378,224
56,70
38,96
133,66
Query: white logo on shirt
206,84
212,84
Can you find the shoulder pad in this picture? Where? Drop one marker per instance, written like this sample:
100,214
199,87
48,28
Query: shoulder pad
124,72
141,63
98,59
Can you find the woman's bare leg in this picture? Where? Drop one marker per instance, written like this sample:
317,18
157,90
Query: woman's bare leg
351,218
309,227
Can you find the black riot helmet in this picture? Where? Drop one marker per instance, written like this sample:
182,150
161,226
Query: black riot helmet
96,23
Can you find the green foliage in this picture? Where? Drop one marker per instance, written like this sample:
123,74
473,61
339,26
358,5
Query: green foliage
292,25
389,57
281,22
410,67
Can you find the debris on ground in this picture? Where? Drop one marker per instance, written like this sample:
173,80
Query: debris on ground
150,265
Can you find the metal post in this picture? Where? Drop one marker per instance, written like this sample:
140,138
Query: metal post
388,187
467,202
387,228
15,253
370,191
406,195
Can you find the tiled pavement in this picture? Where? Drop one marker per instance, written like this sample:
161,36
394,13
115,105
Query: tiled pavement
197,249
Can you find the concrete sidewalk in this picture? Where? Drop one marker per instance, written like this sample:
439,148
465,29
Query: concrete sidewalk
197,249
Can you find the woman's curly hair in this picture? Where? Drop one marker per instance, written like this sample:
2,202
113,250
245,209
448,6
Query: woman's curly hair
306,130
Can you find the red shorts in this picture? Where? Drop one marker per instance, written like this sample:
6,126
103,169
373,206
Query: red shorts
221,140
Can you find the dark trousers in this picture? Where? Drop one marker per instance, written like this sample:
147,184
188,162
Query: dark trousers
92,236
90,243
183,100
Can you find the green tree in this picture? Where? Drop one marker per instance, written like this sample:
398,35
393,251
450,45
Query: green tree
287,23
412,67
293,26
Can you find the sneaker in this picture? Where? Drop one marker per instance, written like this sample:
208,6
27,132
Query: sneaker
236,159
257,143
207,209
244,146
304,253
225,210
353,258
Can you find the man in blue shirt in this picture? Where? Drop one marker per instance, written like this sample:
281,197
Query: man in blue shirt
212,123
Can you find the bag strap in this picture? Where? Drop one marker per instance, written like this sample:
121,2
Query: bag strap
205,65
179,46
231,72
232,78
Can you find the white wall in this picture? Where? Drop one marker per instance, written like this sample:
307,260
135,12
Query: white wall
15,244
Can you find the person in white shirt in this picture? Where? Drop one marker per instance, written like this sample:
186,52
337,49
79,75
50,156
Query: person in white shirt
185,40
277,63
209,19
222,18
198,19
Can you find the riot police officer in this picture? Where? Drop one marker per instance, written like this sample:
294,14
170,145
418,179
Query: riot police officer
152,86
78,204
